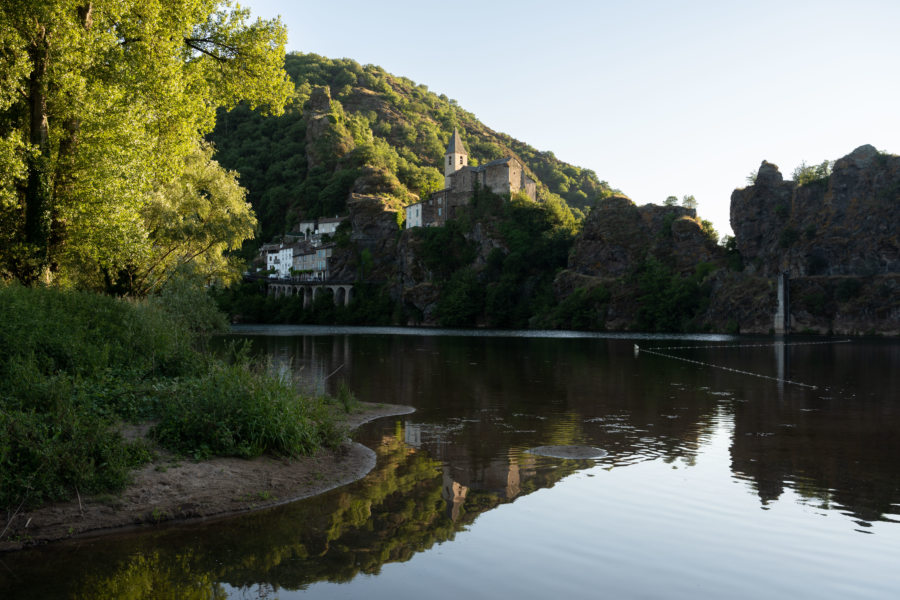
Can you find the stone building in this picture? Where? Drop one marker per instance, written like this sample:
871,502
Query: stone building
501,176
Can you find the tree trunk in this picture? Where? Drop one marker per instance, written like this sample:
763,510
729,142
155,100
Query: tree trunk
38,193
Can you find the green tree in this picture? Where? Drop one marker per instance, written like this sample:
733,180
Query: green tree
101,103
805,174
671,201
195,221
689,202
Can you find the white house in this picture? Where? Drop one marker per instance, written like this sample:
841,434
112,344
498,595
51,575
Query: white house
414,215
312,230
279,259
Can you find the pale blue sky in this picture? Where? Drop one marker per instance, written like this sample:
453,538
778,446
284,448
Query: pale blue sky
658,98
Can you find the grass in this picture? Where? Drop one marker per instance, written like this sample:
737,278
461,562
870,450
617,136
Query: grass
75,365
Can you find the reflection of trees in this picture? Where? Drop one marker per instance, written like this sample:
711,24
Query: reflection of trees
401,508
594,391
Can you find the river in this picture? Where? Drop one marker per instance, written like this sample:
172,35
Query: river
732,467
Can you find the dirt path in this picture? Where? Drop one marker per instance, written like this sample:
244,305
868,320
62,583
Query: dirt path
177,489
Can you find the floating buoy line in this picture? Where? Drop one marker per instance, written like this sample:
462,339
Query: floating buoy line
656,351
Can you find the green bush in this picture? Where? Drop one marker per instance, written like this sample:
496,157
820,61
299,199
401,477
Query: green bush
74,366
583,310
234,410
668,301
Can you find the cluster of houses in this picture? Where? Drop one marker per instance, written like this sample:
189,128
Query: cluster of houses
303,255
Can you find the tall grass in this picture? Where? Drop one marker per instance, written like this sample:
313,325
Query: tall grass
236,410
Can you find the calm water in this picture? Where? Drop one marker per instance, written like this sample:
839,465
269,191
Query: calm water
717,484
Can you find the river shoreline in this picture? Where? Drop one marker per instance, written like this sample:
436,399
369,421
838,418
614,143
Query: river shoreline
172,489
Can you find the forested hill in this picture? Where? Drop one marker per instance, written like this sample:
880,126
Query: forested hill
372,132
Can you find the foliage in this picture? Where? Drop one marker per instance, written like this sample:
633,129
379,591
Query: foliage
76,364
392,124
370,304
689,202
671,201
582,310
515,284
445,250
102,109
709,231
667,300
233,411
63,353
806,174
195,221
462,300
733,255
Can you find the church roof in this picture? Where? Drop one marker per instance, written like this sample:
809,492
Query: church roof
456,146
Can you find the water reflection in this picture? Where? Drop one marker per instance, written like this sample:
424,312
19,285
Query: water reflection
483,400
407,505
482,403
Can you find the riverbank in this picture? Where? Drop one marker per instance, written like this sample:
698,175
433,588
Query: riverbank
175,489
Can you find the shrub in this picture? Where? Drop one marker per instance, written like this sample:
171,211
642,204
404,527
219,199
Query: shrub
583,310
74,365
234,410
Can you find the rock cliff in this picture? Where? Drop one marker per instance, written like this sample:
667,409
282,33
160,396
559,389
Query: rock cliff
842,224
837,235
618,235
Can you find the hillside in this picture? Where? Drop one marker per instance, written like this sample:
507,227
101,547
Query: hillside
354,128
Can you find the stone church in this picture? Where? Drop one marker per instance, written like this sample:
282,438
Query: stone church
501,176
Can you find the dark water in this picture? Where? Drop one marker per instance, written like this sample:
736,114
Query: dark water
716,483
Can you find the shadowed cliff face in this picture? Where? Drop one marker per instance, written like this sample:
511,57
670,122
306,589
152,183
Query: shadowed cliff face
843,224
837,235
618,235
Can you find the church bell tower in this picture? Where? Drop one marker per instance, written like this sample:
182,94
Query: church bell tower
456,157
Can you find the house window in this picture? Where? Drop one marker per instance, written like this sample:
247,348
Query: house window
440,211
450,161
460,159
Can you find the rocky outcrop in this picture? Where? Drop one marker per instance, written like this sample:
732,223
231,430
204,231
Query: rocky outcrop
327,139
842,224
618,235
373,235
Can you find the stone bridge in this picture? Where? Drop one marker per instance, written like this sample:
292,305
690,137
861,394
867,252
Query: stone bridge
310,290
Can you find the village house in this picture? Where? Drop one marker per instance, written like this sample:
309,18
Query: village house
313,229
501,176
302,261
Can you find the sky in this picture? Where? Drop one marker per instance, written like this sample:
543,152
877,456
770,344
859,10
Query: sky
659,98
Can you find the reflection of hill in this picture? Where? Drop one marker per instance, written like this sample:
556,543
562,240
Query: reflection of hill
832,454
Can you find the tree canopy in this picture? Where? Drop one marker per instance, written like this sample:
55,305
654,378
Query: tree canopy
102,108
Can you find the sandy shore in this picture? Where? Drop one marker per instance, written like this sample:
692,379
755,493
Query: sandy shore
178,489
